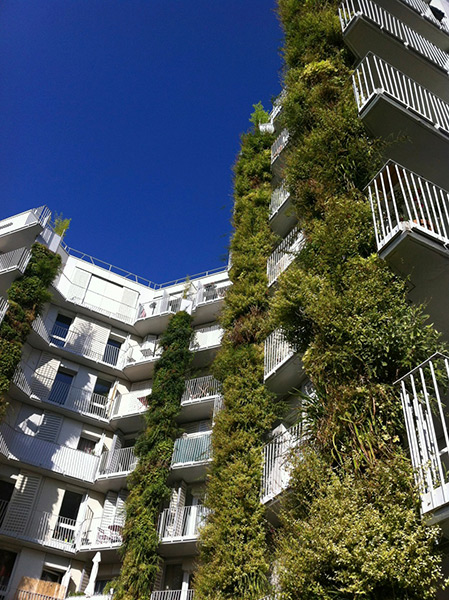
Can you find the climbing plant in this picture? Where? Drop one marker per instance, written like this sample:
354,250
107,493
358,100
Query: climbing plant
26,296
154,449
234,560
352,521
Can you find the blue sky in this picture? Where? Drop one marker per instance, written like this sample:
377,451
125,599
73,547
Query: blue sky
125,115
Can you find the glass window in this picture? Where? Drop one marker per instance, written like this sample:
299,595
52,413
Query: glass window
61,386
111,351
60,330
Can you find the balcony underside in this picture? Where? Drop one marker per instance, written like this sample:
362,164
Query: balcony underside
385,118
128,423
188,472
152,325
137,371
197,411
362,37
413,19
286,377
415,255
20,237
6,279
181,546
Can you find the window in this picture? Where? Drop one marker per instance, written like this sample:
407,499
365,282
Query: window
99,399
6,490
60,330
111,351
7,560
86,445
51,575
100,584
65,527
61,386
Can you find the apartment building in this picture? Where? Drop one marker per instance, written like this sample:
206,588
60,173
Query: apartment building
84,382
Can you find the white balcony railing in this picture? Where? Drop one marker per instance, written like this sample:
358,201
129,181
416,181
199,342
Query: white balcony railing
284,254
27,595
181,523
425,401
277,351
63,394
16,445
147,352
279,145
278,198
25,220
48,529
166,304
422,8
96,534
206,337
15,260
276,455
351,9
114,462
173,595
399,197
210,293
3,308
193,449
86,344
200,389
374,76
129,404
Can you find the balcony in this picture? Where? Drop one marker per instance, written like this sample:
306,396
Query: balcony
21,230
64,395
139,361
191,454
276,471
84,344
117,463
173,595
367,27
129,410
40,527
283,368
282,216
284,255
12,265
205,343
394,106
30,450
425,402
178,529
200,398
208,301
277,162
95,534
277,106
76,294
155,314
3,308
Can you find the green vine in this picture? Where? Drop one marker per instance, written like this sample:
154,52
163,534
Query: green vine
351,527
26,297
233,549
154,448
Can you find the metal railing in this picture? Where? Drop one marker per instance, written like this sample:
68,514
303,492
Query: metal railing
129,404
374,76
276,455
206,337
4,305
181,522
85,344
48,529
164,305
15,260
276,352
279,145
173,595
117,461
351,9
28,595
399,196
63,394
425,402
211,293
278,197
193,449
277,106
95,533
200,389
147,352
32,450
284,254
422,8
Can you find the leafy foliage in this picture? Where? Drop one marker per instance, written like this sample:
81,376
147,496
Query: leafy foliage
234,554
148,482
61,225
345,534
26,297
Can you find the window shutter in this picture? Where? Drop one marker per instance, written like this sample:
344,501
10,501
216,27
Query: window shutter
21,503
50,427
44,375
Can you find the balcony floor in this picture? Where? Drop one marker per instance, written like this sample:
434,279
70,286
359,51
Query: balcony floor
286,377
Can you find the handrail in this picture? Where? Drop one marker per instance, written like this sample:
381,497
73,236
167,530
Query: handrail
117,461
278,197
200,388
193,449
172,595
277,351
279,144
351,9
374,76
399,196
4,305
15,259
284,254
423,10
181,522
